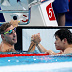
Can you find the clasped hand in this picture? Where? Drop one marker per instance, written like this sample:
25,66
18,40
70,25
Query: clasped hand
36,38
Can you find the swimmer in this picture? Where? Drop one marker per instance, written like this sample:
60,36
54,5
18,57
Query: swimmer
9,38
63,43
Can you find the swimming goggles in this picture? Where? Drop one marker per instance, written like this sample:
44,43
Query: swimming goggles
10,31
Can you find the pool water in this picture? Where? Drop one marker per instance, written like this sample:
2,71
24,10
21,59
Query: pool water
23,60
47,63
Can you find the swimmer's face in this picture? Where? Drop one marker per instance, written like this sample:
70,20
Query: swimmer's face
12,37
58,43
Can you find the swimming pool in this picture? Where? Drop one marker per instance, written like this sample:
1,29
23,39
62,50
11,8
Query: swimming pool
47,63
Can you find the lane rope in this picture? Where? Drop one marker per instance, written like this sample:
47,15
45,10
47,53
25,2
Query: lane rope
12,55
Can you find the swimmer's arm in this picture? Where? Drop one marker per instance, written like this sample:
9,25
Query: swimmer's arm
50,52
32,47
41,48
0,47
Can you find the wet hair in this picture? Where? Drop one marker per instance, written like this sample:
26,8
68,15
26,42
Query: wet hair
4,26
64,33
15,17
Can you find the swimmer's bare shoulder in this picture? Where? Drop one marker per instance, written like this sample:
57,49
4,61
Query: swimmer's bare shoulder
68,50
11,50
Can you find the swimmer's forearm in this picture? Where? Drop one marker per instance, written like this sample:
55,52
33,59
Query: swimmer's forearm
32,47
50,52
41,48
